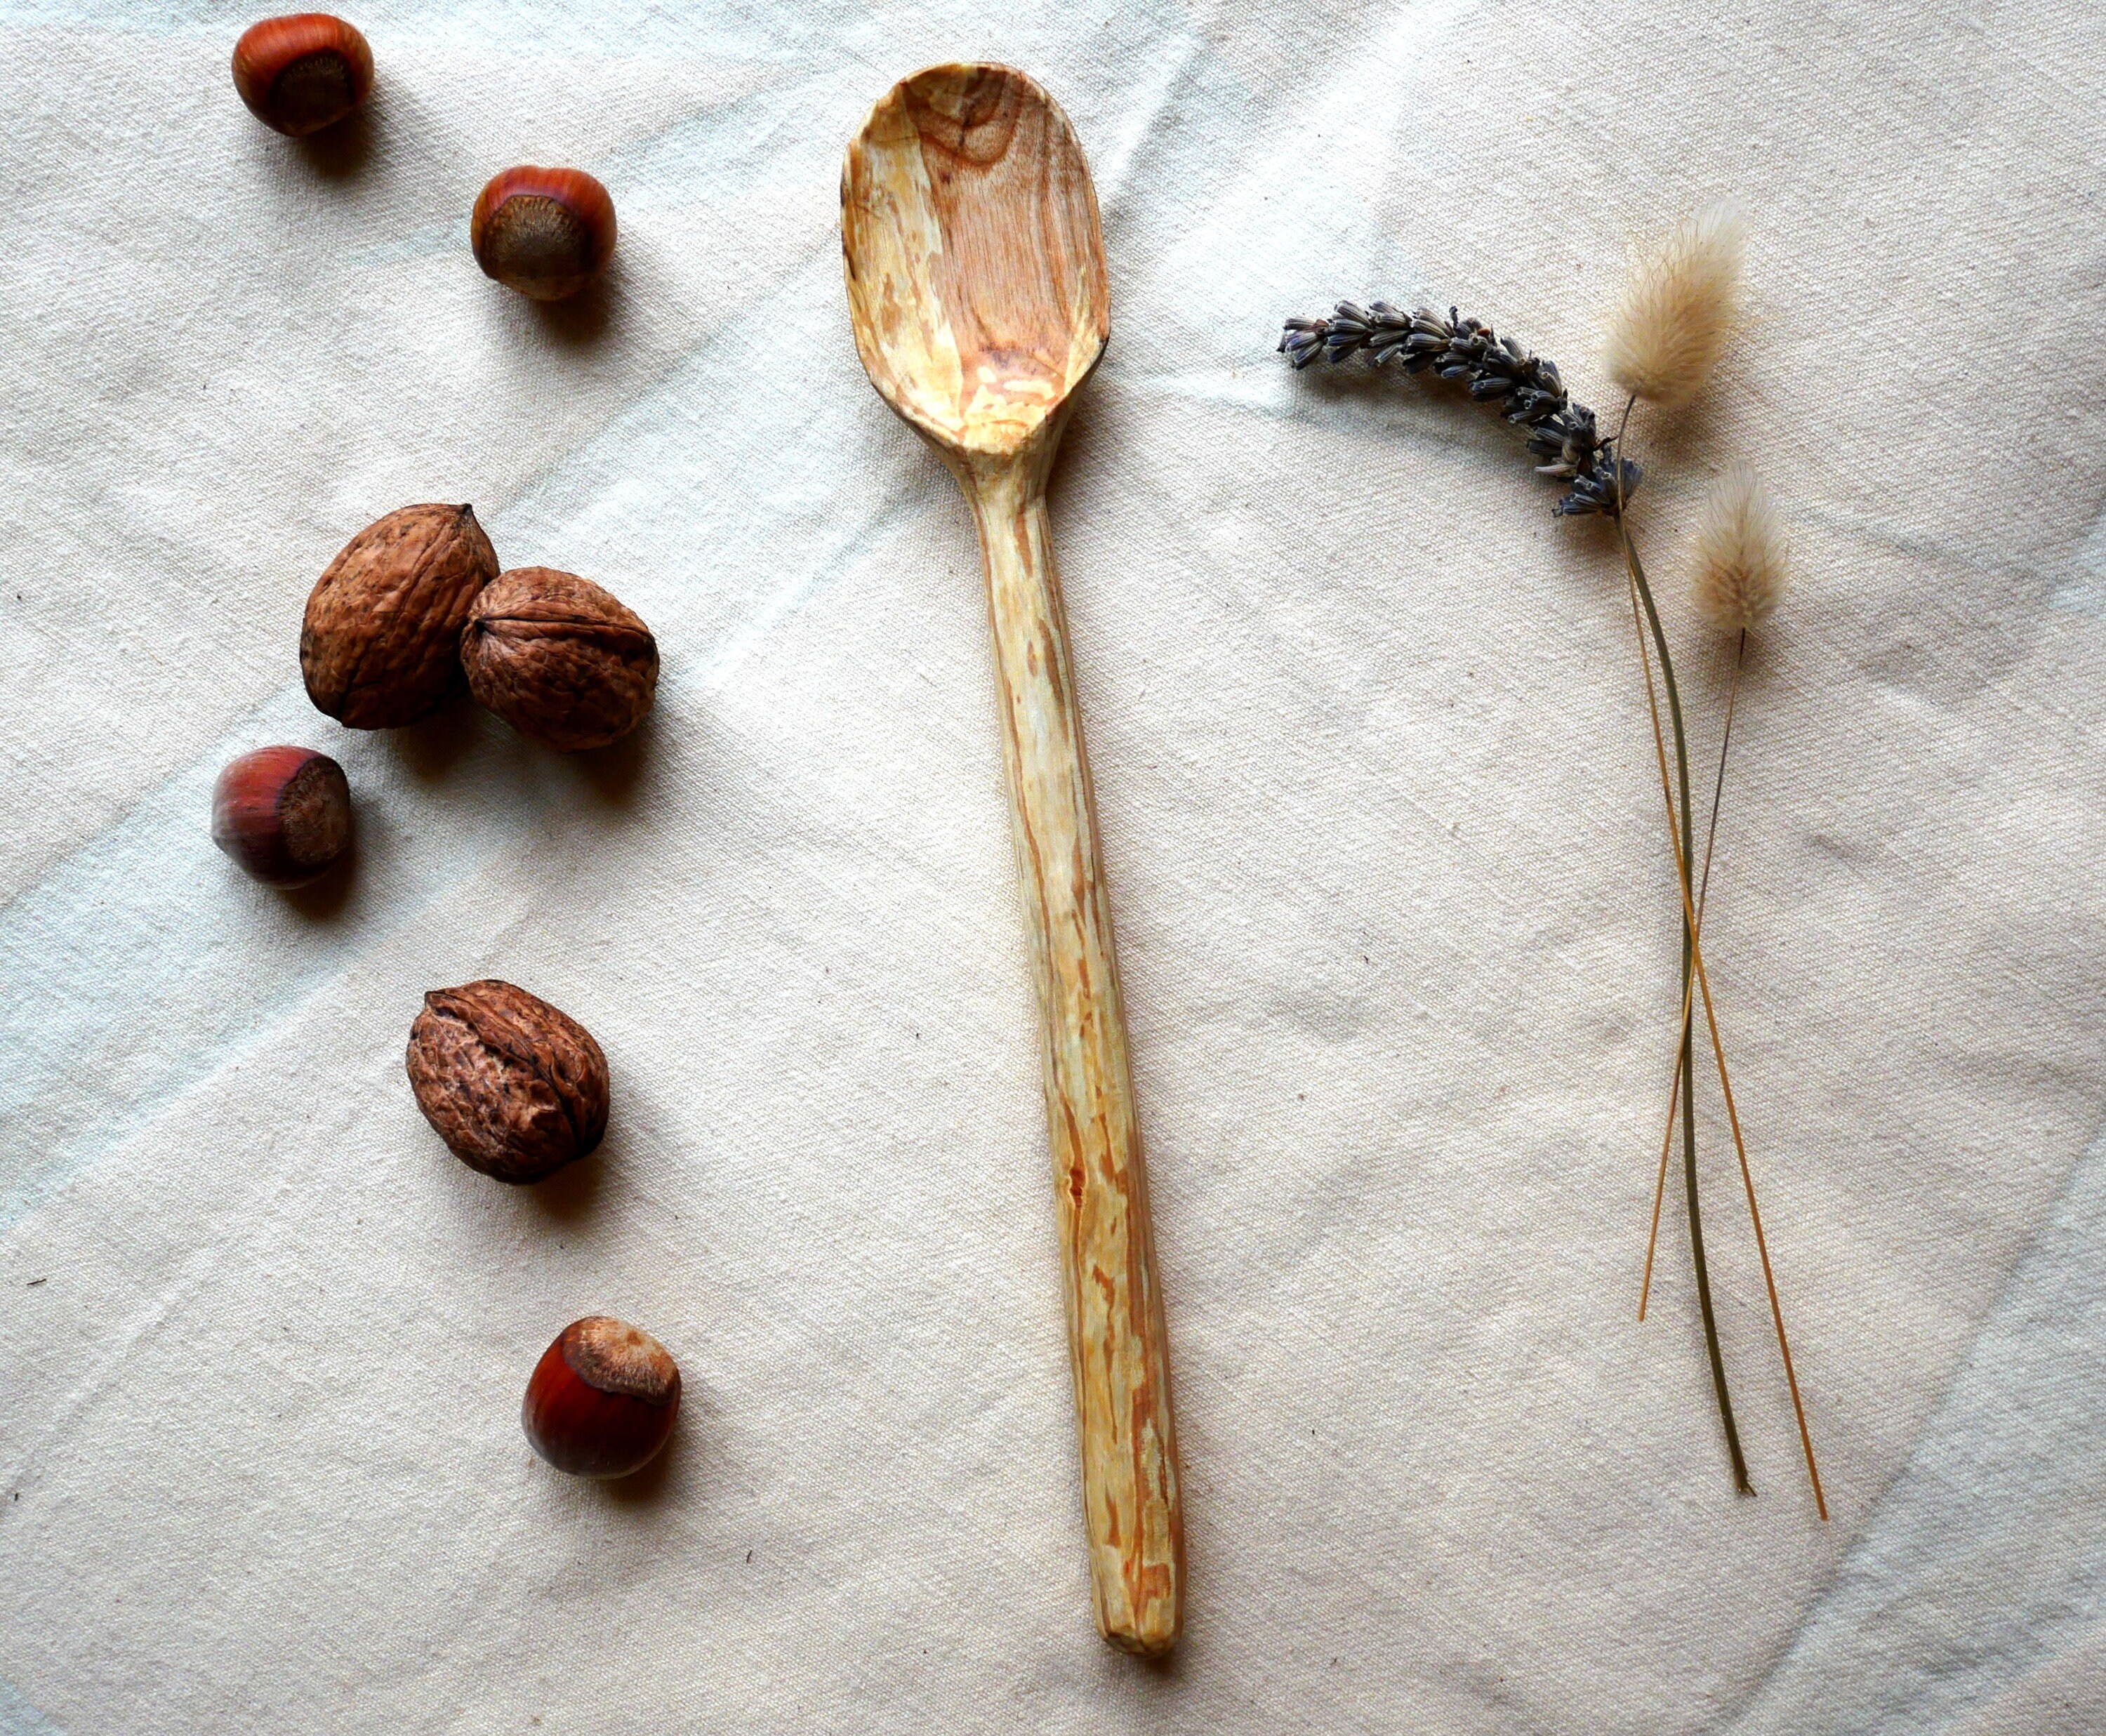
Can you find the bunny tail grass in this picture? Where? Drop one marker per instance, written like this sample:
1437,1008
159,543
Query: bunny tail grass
1680,304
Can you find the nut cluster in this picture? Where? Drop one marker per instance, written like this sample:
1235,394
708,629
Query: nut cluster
544,232
415,604
518,1090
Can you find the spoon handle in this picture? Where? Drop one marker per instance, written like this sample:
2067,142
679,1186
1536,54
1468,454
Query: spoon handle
1115,1333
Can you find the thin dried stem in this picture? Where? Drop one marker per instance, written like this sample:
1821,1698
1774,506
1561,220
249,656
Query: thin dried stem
1641,591
1679,843
1762,1242
1719,784
1689,985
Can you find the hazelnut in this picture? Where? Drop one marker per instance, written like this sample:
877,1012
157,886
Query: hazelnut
545,232
302,74
515,1088
381,643
603,1399
559,659
284,813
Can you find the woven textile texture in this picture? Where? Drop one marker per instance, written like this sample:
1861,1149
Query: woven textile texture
1396,914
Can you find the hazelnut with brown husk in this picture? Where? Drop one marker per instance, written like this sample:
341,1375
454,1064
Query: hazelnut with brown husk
545,232
300,74
603,1399
284,813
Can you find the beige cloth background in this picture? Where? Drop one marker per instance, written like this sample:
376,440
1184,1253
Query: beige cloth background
1396,922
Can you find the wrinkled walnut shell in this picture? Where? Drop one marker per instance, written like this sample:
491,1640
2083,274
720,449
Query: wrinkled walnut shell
381,643
515,1088
559,659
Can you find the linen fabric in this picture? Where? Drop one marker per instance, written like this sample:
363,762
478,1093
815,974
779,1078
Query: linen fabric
1376,786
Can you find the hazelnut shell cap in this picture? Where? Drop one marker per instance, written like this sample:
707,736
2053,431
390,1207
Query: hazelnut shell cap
515,1088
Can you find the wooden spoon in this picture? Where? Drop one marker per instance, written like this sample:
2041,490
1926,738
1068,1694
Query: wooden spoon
976,286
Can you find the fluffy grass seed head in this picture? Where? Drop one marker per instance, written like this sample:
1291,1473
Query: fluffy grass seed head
1680,305
1739,554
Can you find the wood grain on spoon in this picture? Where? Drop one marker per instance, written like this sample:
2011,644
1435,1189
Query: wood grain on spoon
977,289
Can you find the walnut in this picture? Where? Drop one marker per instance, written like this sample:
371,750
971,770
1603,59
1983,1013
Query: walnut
515,1088
381,638
559,659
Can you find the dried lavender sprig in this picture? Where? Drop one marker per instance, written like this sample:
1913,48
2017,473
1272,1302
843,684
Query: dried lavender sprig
1527,389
